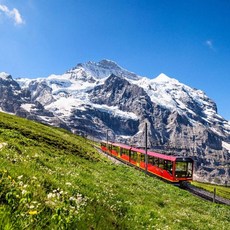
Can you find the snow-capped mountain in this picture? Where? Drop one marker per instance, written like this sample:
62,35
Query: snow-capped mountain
92,98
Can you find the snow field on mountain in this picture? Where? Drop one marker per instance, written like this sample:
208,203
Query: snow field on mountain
226,145
116,112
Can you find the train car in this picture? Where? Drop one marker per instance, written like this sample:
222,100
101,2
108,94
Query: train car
175,169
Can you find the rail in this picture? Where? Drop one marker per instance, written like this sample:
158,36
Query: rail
205,194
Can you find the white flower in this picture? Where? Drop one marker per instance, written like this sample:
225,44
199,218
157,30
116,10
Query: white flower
72,198
20,183
20,177
51,195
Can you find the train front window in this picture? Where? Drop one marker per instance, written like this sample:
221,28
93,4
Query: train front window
168,166
183,169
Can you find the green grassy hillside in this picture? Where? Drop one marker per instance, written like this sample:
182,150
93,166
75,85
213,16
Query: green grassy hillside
51,179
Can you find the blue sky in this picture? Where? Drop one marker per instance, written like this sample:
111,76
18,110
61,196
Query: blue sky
186,39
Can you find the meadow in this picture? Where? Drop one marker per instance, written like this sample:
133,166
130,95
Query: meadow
52,179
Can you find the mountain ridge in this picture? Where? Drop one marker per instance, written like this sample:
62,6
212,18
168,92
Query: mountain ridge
92,98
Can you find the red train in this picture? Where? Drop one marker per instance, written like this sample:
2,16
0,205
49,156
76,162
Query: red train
175,169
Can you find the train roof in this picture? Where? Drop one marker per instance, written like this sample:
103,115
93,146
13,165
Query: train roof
162,156
154,154
159,155
122,145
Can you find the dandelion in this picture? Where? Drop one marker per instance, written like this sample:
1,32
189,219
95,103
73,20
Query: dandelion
33,212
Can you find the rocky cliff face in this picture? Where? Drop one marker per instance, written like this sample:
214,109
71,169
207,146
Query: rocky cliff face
95,97
15,100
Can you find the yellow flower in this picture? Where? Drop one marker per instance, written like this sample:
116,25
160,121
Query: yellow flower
33,212
10,177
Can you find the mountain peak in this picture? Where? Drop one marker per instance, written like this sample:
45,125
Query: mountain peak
102,69
164,78
4,75
109,63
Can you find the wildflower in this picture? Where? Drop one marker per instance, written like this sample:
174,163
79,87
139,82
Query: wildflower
20,183
79,198
10,177
20,177
72,198
33,212
51,195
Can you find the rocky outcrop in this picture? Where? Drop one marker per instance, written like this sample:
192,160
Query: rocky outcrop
41,92
21,102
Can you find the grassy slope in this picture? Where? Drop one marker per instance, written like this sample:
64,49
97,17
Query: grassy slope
51,179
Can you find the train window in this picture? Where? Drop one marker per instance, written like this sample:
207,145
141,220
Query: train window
150,160
168,166
133,155
143,157
116,148
155,161
103,144
161,163
125,151
110,146
183,169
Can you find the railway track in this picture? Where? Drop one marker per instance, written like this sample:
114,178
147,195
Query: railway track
186,185
205,194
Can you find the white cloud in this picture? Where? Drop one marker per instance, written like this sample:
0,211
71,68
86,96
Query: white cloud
13,14
209,43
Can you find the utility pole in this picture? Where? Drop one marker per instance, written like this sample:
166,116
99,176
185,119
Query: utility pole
146,147
107,138
214,195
